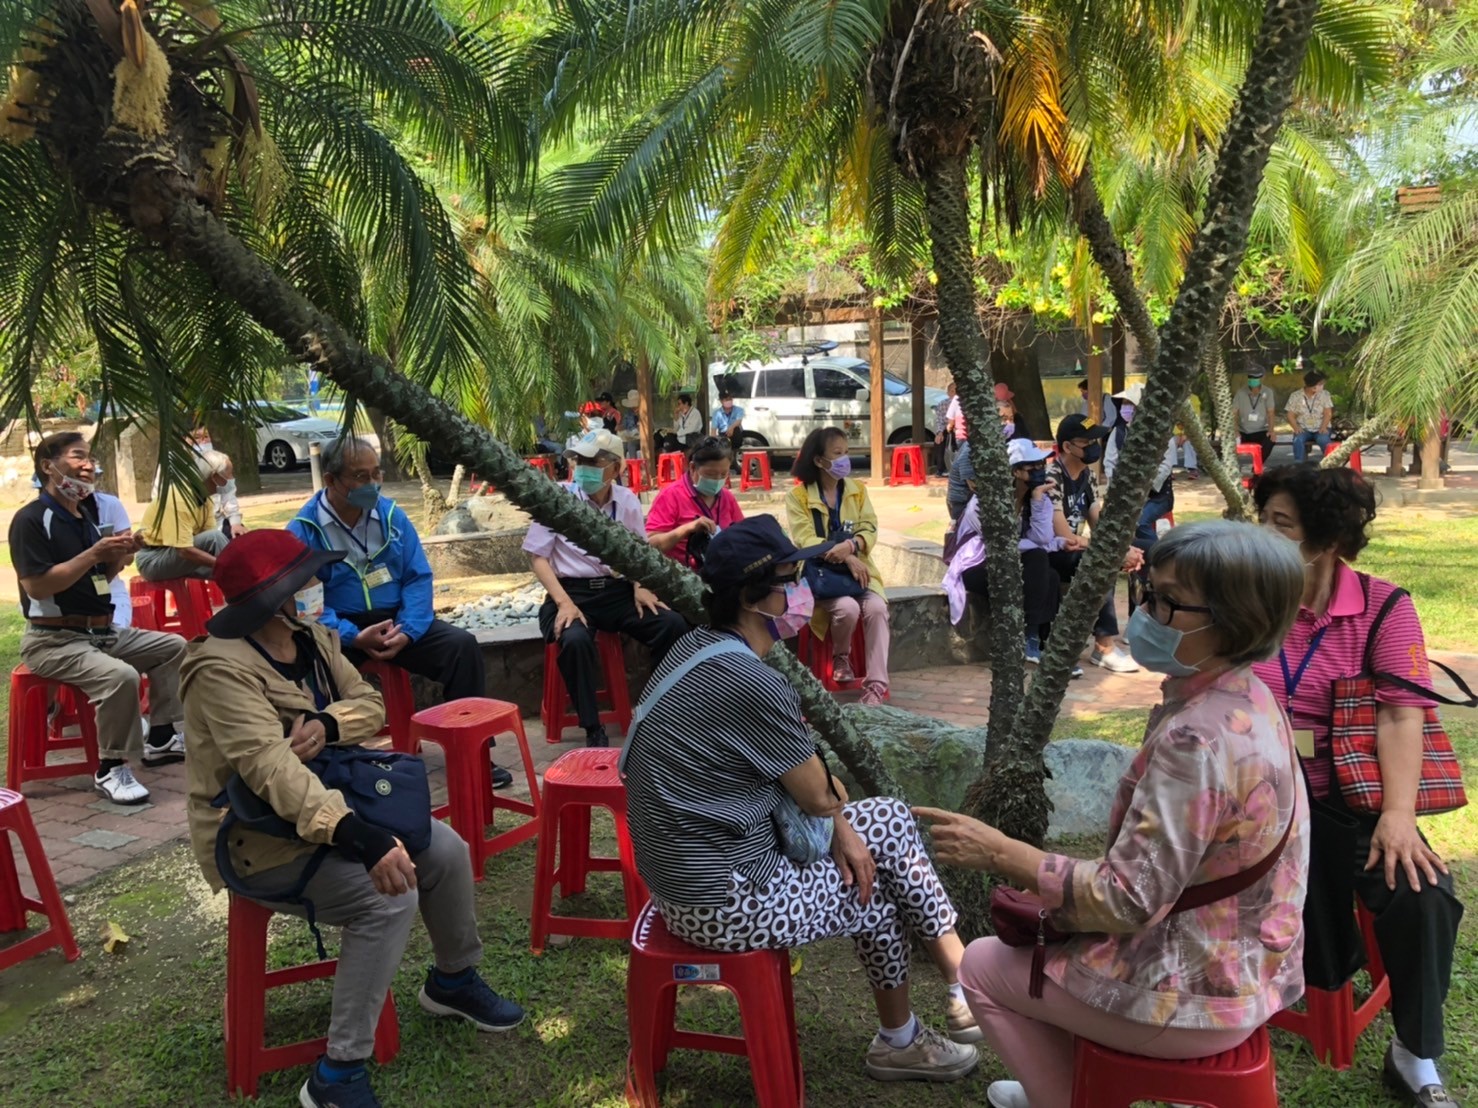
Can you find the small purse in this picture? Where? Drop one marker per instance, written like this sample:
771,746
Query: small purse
1352,736
829,581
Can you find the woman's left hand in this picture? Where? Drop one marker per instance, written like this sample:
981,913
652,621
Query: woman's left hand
853,858
858,570
840,552
1397,838
307,738
962,841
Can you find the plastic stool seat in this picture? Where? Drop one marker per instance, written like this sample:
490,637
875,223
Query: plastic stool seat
1331,1021
818,656
754,459
544,462
581,780
32,738
661,963
908,465
181,604
465,729
15,819
400,702
247,982
670,468
557,711
1242,1077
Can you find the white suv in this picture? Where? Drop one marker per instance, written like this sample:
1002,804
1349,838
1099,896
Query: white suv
784,401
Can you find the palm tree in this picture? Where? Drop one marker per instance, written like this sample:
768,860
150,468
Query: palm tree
151,141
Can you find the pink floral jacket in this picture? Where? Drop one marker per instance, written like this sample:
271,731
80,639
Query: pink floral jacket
1208,795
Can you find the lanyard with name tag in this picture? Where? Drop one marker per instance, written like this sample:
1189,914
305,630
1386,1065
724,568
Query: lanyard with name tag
1303,738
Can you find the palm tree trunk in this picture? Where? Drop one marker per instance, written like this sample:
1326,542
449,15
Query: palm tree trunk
1215,368
1221,242
1364,435
1229,485
317,339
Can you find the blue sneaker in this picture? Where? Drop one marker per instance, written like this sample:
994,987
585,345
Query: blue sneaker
354,1093
1033,651
473,1002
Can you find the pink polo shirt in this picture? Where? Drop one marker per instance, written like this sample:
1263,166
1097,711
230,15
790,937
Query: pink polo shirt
1400,650
680,503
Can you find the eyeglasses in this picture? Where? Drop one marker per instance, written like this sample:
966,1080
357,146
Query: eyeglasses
1162,609
789,576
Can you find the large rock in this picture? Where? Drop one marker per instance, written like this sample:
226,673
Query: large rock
458,521
935,762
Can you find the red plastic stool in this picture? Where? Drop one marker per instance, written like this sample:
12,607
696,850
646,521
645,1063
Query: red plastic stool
1355,462
464,729
544,462
247,980
581,780
1238,1078
143,613
181,604
1331,1021
1254,451
400,702
557,712
636,479
660,964
816,655
759,459
32,738
670,468
15,819
910,458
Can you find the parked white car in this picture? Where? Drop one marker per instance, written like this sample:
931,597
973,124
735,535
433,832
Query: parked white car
284,434
785,400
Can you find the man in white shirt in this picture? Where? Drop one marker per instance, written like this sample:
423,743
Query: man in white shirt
584,595
1310,411
687,426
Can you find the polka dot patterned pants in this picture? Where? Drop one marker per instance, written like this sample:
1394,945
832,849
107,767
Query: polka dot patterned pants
806,903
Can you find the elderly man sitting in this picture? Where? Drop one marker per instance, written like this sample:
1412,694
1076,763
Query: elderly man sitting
264,694
179,533
377,598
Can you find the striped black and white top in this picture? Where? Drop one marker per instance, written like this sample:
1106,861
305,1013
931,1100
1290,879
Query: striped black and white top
702,774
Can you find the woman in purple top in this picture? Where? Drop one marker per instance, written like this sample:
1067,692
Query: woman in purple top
687,513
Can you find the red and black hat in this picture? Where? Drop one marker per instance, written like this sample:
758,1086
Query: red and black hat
258,572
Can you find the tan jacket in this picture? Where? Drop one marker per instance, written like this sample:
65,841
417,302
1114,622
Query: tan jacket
236,711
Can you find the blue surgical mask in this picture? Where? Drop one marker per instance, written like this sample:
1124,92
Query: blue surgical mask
1009,428
365,497
1153,645
1126,412
841,467
709,486
590,479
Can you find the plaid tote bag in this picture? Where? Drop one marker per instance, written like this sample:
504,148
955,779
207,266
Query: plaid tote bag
1352,736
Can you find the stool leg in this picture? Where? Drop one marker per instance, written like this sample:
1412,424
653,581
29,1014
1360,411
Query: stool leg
648,996
544,879
469,814
574,849
246,999
46,890
15,734
770,1045
631,882
12,912
387,1033
1331,1035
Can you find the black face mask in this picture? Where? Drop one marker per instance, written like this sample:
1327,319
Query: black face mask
1036,478
1091,453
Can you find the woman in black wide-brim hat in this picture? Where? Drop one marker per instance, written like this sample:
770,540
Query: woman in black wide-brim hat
264,694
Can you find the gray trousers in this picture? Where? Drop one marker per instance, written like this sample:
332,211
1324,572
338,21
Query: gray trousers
375,929
106,667
161,563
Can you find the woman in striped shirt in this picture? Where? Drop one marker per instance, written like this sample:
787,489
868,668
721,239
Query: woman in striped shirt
1398,876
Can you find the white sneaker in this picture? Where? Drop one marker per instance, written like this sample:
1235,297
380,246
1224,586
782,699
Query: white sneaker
1006,1094
961,1021
930,1057
165,754
1115,660
120,785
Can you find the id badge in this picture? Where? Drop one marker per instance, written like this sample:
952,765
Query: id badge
379,575
100,585
1303,741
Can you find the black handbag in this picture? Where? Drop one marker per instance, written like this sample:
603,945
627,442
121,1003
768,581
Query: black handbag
829,581
1333,947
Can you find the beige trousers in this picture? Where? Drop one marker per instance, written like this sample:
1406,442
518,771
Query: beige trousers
106,667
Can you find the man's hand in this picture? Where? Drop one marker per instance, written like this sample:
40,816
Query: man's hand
307,738
1133,560
394,645
114,548
853,858
1075,543
1396,838
646,601
568,615
395,873
373,638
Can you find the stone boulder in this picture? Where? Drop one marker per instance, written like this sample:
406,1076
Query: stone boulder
458,521
935,761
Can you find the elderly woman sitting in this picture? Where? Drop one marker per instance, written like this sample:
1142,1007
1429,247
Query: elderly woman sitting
719,751
1213,792
264,694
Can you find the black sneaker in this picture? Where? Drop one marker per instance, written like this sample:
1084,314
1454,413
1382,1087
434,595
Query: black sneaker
597,736
501,778
473,1002
354,1093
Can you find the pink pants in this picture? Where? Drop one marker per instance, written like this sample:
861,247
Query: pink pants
844,613
1034,1038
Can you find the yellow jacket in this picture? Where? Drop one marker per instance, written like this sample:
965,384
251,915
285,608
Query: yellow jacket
856,509
237,709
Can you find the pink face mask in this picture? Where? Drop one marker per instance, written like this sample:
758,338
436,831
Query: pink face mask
800,605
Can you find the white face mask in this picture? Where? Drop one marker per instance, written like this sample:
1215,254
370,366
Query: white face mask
308,602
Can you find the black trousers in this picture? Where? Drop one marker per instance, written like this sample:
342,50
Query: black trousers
1263,439
444,653
1065,562
1416,933
1038,585
610,605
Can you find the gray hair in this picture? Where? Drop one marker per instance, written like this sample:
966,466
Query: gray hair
336,454
211,463
1251,577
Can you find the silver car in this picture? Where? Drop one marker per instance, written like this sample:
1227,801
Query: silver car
284,434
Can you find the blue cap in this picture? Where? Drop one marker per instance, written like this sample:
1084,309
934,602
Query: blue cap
751,548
